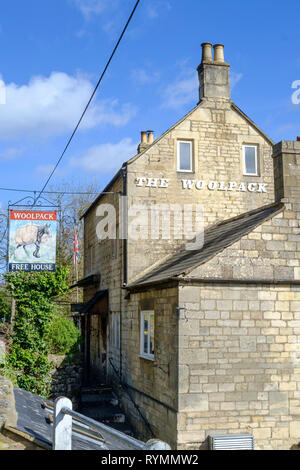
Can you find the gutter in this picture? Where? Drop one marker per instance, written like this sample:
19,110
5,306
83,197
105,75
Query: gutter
173,281
123,259
272,282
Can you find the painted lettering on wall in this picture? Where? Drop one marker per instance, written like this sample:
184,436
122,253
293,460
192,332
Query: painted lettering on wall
253,187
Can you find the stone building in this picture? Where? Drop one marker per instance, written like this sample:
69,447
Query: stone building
203,339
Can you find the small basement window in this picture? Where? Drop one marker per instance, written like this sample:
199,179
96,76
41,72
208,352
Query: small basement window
147,335
184,156
250,161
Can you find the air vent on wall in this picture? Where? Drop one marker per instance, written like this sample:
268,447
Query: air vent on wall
231,442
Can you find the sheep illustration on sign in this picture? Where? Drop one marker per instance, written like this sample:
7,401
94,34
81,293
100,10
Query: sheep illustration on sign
32,234
32,241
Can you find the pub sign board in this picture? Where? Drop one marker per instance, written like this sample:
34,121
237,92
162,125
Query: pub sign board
32,240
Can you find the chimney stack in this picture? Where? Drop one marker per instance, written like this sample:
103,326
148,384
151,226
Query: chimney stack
213,74
286,162
147,139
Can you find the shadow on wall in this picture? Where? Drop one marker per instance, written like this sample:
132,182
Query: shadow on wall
67,377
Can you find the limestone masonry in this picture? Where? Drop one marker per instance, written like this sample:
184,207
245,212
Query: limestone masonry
205,341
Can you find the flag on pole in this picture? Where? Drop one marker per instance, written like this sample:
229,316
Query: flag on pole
76,250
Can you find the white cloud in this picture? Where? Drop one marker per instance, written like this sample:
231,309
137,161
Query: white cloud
88,7
45,169
10,153
181,92
235,78
156,7
105,158
185,90
50,106
143,77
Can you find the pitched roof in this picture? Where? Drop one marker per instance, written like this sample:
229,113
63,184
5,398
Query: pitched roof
216,239
138,155
131,160
32,422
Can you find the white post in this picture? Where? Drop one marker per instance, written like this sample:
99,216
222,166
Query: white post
62,425
156,444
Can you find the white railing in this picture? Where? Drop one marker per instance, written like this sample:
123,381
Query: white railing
66,421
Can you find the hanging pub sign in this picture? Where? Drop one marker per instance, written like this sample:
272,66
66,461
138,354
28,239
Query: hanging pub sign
32,240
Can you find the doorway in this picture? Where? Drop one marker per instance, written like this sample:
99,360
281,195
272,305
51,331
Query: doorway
96,339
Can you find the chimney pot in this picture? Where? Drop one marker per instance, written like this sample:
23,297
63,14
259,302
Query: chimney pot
143,137
219,53
150,137
206,52
147,138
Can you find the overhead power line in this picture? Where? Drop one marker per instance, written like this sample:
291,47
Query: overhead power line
67,193
89,102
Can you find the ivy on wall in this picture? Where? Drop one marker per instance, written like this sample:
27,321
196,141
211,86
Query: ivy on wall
27,363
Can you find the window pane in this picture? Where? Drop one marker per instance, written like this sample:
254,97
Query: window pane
185,155
152,334
146,334
250,160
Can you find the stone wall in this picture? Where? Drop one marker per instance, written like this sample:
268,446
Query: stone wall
206,379
218,133
7,408
105,257
245,337
158,378
66,378
240,364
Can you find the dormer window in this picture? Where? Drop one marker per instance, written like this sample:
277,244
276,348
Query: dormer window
185,156
250,160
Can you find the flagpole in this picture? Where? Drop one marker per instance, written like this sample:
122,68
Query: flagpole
76,274
75,264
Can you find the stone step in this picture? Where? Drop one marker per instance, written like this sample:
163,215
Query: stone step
99,402
101,388
99,398
123,427
105,413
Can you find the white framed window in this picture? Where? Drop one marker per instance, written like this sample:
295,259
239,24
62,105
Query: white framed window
184,155
250,160
147,335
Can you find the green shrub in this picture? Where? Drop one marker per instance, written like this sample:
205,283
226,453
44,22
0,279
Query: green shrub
62,335
28,370
5,306
27,360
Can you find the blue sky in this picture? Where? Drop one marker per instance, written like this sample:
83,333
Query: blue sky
53,51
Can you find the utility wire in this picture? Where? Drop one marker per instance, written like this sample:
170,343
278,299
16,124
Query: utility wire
89,102
55,192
